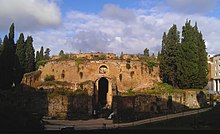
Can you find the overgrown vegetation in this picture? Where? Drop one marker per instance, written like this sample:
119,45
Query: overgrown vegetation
151,64
54,83
78,62
163,88
41,63
130,92
128,66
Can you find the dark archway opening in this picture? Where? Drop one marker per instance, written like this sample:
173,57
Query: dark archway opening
102,92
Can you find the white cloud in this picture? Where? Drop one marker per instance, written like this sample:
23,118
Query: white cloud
95,32
192,6
29,14
116,13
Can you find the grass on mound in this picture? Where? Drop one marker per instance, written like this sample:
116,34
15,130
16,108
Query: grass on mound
163,88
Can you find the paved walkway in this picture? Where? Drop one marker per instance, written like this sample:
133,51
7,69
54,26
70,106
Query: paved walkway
102,123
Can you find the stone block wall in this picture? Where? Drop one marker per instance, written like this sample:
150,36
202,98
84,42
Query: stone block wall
143,106
58,106
67,107
74,72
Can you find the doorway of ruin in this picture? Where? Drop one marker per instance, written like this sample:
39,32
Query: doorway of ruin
103,86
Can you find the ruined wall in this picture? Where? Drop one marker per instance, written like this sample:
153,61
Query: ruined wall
117,72
131,56
137,107
144,106
68,107
30,100
58,106
32,79
22,110
94,55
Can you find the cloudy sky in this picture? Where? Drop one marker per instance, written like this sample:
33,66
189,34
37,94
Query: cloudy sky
108,25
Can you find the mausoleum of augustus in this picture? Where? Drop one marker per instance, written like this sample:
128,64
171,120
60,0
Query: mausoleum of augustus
107,84
109,74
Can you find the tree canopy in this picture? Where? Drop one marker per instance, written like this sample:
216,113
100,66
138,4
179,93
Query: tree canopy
16,59
184,64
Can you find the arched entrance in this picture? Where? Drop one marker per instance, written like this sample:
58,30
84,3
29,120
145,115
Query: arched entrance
103,85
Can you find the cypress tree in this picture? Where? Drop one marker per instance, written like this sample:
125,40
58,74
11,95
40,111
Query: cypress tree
61,53
158,56
7,64
41,53
20,51
30,56
11,36
173,42
202,61
162,60
1,48
168,57
47,54
37,56
188,65
146,52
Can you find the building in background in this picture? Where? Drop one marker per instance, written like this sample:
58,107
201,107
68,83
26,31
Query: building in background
214,74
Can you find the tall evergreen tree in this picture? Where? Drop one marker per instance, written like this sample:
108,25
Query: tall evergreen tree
173,43
61,53
1,48
162,60
146,52
21,52
188,65
202,61
47,54
11,36
184,65
30,56
7,64
169,52
41,53
37,56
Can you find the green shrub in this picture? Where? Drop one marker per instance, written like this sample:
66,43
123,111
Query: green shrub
128,66
41,63
78,60
151,65
49,78
162,88
130,92
102,57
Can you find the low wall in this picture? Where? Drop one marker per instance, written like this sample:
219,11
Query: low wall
68,107
22,110
74,106
143,106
